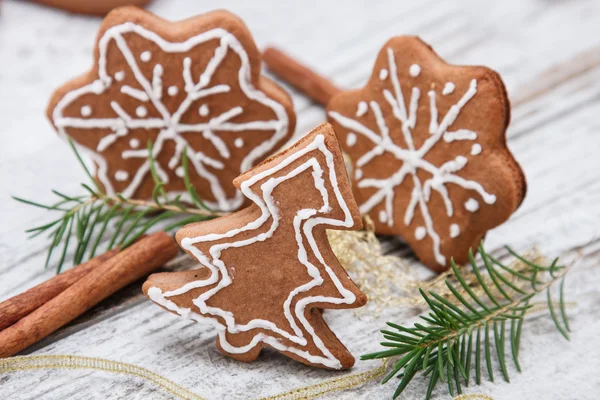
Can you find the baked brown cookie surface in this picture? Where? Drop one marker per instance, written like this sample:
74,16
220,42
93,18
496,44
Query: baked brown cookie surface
268,270
428,148
92,7
193,86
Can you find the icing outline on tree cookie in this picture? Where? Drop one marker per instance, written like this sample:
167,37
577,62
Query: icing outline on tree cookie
269,210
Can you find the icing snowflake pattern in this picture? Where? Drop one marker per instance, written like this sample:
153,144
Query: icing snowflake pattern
413,157
164,109
260,188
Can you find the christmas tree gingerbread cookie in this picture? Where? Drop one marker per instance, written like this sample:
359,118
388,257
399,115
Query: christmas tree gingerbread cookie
193,86
268,270
428,148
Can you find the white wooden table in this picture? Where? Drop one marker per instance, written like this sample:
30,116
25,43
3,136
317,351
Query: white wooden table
548,53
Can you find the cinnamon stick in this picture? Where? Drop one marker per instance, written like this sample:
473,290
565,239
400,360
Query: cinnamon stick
17,307
120,270
313,85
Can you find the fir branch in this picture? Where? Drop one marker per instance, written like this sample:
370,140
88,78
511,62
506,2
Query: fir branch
469,327
97,218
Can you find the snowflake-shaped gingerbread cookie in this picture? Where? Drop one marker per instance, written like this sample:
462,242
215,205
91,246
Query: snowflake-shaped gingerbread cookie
428,148
192,85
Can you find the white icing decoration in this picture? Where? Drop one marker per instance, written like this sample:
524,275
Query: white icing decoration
461,134
448,88
119,76
157,88
358,173
141,111
86,111
135,93
239,143
476,149
420,233
351,139
413,158
362,109
304,224
472,205
203,110
383,217
383,74
145,56
134,143
216,164
173,90
168,124
179,171
121,175
414,70
454,231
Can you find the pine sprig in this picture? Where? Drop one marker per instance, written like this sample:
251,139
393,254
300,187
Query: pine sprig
465,330
96,220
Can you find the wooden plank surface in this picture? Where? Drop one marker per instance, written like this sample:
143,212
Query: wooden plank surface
548,53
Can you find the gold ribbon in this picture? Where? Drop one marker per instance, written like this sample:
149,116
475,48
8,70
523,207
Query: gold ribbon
391,282
331,385
25,363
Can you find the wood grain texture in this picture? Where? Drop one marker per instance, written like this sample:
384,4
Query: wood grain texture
547,53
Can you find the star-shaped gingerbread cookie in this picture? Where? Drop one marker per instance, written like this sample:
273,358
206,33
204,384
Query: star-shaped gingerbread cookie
268,270
192,85
428,148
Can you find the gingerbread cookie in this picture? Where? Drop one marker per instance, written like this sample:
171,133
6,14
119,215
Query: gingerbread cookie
192,85
92,7
428,148
268,270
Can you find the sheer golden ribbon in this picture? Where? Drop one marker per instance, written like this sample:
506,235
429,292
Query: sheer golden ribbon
391,282
24,363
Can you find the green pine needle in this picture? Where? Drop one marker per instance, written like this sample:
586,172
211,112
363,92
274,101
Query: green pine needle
95,221
468,328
